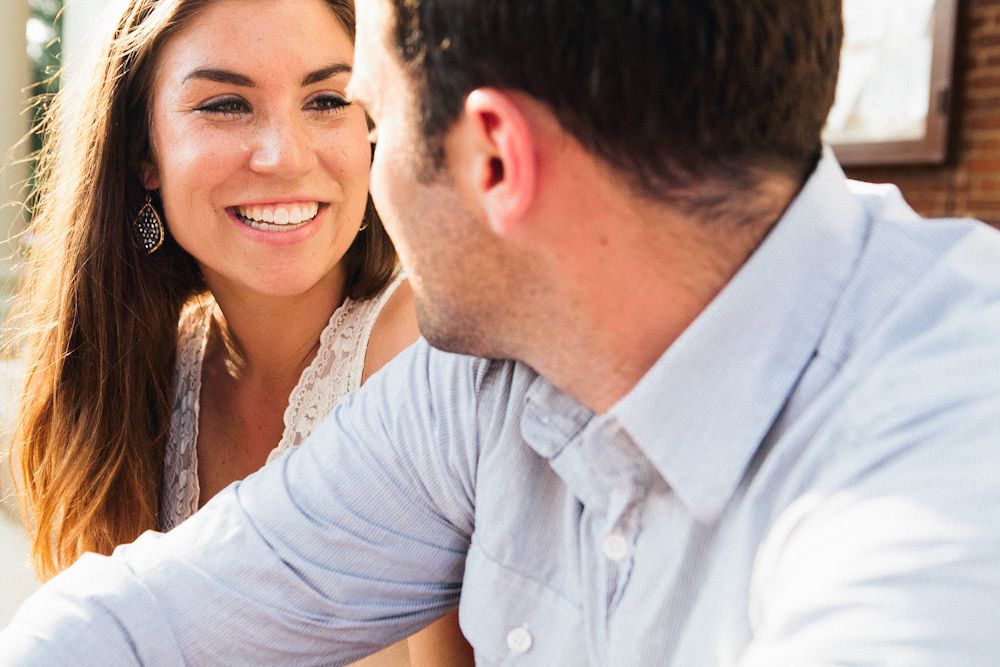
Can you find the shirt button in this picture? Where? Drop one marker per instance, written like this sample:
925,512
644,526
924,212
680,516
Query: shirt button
519,640
615,546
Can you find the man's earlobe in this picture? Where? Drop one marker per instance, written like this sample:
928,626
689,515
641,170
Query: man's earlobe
506,163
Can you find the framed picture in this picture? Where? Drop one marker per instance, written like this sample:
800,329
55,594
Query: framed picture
894,93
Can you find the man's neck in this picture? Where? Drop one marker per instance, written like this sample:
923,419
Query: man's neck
633,290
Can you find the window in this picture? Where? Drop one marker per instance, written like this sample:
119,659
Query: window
895,85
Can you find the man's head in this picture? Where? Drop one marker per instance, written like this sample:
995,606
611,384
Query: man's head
687,104
667,91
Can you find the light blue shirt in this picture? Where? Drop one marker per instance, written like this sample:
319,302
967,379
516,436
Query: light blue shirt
810,475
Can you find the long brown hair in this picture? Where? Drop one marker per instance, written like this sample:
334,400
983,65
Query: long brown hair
99,317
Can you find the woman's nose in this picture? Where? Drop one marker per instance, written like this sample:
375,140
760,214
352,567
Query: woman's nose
283,148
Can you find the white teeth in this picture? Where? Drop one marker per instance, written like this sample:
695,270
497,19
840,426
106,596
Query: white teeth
267,227
278,215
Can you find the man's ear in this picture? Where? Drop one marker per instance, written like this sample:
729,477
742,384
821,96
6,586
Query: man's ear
502,158
149,175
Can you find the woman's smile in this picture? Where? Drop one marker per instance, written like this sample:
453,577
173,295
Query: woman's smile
279,218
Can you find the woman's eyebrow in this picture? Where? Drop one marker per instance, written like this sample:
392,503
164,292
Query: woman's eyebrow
219,76
325,73
227,76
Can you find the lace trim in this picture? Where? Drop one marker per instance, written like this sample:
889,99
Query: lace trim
334,372
179,497
336,369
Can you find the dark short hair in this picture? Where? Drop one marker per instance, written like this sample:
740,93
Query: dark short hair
668,92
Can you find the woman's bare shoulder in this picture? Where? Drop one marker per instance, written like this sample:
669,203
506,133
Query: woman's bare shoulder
395,330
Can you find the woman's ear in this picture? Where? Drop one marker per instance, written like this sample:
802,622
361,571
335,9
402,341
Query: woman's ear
501,156
149,175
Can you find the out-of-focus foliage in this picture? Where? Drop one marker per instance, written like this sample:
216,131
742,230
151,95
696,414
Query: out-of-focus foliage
43,32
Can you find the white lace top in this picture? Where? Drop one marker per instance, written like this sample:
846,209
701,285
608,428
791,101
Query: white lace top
334,372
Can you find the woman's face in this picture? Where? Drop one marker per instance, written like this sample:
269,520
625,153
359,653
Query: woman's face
261,163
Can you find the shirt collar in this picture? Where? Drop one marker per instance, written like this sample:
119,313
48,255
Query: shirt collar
703,409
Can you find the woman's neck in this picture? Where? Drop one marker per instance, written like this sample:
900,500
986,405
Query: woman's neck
272,338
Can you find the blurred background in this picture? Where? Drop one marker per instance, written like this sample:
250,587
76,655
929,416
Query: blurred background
36,38
918,105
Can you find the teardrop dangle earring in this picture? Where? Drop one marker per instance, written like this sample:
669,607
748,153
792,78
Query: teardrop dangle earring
147,228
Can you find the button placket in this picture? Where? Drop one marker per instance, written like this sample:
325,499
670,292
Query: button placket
616,545
617,479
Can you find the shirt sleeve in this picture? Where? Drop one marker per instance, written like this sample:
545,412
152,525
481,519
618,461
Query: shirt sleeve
892,555
345,544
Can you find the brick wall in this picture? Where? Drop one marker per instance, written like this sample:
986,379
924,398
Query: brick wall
969,183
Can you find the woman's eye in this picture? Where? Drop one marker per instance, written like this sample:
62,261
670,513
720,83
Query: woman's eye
328,103
229,107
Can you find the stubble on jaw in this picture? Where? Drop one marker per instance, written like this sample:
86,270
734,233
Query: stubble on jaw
456,277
